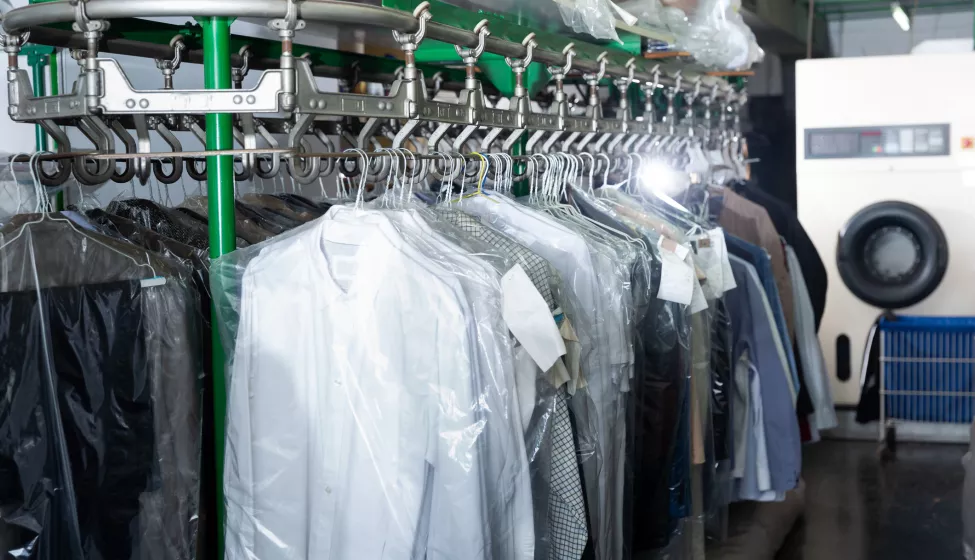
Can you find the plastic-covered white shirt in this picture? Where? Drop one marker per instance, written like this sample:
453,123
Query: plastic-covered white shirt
511,517
353,431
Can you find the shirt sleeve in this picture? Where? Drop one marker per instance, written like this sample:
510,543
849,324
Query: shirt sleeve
457,527
268,428
238,471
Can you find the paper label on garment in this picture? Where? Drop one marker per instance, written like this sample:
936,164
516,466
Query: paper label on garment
682,251
153,282
709,260
717,241
529,319
698,301
676,279
674,247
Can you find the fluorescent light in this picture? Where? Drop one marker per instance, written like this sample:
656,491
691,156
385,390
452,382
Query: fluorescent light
900,16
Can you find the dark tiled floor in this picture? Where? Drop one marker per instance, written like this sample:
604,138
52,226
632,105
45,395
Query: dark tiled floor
859,508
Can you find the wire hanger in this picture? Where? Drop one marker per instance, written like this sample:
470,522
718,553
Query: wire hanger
43,205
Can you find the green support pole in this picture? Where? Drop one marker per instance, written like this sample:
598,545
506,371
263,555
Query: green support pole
36,63
220,191
54,88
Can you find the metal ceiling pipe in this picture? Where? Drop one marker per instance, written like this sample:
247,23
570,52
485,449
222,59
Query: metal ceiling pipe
332,11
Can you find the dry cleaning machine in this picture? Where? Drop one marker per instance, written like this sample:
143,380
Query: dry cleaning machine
886,190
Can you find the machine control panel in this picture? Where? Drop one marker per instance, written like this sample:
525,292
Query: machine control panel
878,141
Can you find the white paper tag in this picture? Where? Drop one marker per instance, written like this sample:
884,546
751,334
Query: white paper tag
717,240
528,318
676,279
682,251
153,282
668,244
709,259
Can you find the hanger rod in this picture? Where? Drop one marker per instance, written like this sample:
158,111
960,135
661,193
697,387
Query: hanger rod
284,152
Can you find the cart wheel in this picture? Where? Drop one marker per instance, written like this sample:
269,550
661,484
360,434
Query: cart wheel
889,450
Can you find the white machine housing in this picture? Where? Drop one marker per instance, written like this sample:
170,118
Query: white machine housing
889,91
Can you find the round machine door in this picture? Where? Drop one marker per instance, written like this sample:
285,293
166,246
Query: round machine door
892,254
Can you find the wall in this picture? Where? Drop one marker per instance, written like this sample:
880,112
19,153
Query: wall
768,77
880,35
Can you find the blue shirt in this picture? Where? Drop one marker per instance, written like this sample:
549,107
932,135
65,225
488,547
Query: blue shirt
752,331
757,257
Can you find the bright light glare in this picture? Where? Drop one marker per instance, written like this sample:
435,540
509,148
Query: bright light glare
900,16
659,177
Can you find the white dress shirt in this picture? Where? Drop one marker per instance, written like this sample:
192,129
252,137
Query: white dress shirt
353,423
502,440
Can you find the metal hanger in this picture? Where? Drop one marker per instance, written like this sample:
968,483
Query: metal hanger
43,205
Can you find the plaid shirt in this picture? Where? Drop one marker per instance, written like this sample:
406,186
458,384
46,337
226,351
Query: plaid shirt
538,269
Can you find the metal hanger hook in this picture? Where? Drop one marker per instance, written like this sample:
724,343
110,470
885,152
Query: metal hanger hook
593,79
470,55
559,72
238,73
529,43
410,41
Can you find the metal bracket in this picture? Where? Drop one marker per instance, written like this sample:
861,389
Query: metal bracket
595,109
311,100
24,107
169,67
520,104
121,98
237,74
92,31
82,23
560,106
543,121
472,96
13,43
649,111
670,118
579,125
566,144
409,42
610,126
470,54
290,22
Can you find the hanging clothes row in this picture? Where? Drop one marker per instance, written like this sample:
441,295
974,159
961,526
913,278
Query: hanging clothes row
590,371
100,417
582,372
